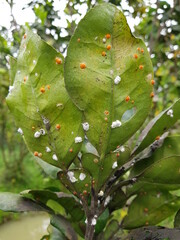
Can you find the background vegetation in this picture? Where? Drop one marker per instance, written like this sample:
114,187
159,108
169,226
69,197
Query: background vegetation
158,26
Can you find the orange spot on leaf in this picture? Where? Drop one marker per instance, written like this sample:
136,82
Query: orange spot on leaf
106,112
82,65
152,95
108,35
58,60
152,82
35,154
58,126
157,138
42,89
127,98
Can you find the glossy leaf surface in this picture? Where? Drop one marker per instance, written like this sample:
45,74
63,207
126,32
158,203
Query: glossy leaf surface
49,121
150,208
103,68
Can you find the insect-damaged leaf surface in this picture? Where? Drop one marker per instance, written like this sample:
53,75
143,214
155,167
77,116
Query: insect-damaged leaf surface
150,209
157,126
91,86
39,100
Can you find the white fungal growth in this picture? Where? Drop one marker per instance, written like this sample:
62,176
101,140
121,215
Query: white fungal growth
48,149
107,200
86,221
11,89
104,40
42,131
20,131
34,62
82,176
78,139
36,74
170,112
54,157
114,165
85,126
71,177
116,124
101,194
94,221
117,80
37,134
122,148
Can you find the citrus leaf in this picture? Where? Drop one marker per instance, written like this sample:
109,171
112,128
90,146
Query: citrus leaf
64,226
107,74
158,126
11,202
67,201
150,209
42,109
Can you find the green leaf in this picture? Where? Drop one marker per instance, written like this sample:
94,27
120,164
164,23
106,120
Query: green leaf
118,200
49,169
101,222
150,209
170,148
34,109
154,232
101,172
93,89
13,69
158,126
177,220
162,169
56,235
64,227
110,231
41,13
67,201
11,202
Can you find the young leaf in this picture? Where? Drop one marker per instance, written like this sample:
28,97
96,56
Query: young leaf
158,126
106,75
47,118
